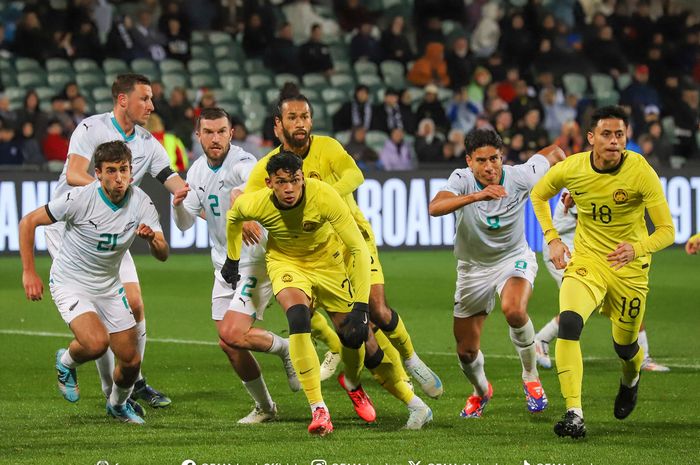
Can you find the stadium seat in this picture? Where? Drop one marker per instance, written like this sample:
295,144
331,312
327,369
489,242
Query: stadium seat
220,38
611,97
417,94
232,82
58,65
376,139
343,136
208,80
624,80
255,66
23,65
445,95
86,65
228,66
575,83
15,93
321,118
332,108
271,95
257,81
394,73
102,94
59,80
254,117
248,96
170,65
172,80
344,82
45,93
103,107
281,79
203,52
195,66
198,37
146,67
32,79
364,68
231,106
331,94
602,83
115,65
314,80
312,94
88,81
372,81
342,65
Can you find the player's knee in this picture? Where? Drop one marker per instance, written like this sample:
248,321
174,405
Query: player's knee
96,344
231,336
299,319
626,352
570,325
373,361
467,354
388,321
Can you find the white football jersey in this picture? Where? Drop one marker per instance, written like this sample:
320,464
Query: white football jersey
565,223
489,232
97,234
210,190
148,155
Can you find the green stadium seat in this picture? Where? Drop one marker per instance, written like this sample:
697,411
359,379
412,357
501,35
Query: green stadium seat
623,81
203,52
445,95
255,66
343,136
575,83
8,77
332,108
372,81
15,93
102,94
394,73
228,51
85,65
208,80
602,83
248,96
170,65
281,79
611,97
228,66
376,139
145,67
59,80
342,65
172,80
254,117
344,82
232,82
32,79
103,107
363,68
58,65
314,80
331,94
313,95
257,81
272,95
115,65
220,38
198,37
232,107
23,65
88,81
45,93
6,65
196,66
320,118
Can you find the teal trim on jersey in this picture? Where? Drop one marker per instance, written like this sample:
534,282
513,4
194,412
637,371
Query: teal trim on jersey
214,168
110,204
501,182
121,131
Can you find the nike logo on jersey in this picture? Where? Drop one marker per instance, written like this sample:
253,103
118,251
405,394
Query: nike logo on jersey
70,309
86,126
93,223
578,193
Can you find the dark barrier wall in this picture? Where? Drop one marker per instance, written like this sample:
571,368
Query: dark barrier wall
395,203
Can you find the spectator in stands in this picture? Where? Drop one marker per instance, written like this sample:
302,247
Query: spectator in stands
282,55
505,89
534,135
476,91
304,16
389,115
177,41
30,38
662,145
365,157
460,63
69,92
243,139
686,116
356,112
638,95
78,109
161,106
179,161
516,150
453,149
31,149
524,101
5,113
429,31
648,151
556,113
31,112
502,122
5,47
55,146
256,37
119,43
207,99
396,155
352,14
488,32
365,47
605,53
85,42
570,138
10,148
60,113
428,143
148,41
395,44
182,115
517,43
172,11
431,68
431,108
314,55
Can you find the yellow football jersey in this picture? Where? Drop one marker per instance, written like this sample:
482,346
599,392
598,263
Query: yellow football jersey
305,233
610,204
328,161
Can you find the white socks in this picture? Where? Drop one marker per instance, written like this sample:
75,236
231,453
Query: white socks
549,331
68,361
643,342
258,391
141,342
476,375
524,342
105,368
317,405
119,395
280,345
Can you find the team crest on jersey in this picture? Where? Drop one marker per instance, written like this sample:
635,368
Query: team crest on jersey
315,175
620,196
581,271
309,226
287,278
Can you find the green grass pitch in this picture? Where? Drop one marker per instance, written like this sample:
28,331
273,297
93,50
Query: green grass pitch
38,427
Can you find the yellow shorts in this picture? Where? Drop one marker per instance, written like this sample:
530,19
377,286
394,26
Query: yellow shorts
326,283
622,299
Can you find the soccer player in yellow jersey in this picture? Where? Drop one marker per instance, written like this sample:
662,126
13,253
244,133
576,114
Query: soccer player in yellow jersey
308,225
325,159
610,266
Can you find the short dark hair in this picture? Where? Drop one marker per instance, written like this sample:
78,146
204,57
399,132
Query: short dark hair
290,93
125,83
212,113
285,161
609,112
111,152
478,138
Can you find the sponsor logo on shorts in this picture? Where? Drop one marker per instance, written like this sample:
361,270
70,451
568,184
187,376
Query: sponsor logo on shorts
620,196
287,278
72,307
581,271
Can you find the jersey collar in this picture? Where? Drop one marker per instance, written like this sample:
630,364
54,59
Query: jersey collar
217,168
110,204
609,170
121,131
503,178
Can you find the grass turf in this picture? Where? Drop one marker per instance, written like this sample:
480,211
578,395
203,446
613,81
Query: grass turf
37,426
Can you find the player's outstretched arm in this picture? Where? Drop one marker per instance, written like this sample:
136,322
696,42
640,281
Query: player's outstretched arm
33,285
553,153
184,219
76,172
447,202
156,241
693,245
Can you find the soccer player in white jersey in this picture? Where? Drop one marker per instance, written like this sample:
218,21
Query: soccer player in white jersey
101,221
132,106
210,181
493,258
564,220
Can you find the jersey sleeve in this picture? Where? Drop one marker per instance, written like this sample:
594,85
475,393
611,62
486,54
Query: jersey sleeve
546,188
257,175
458,182
234,225
243,170
338,214
349,174
531,171
84,141
160,160
149,214
64,207
659,213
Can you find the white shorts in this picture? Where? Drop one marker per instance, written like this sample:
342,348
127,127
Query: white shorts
477,285
111,307
558,275
54,235
252,294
